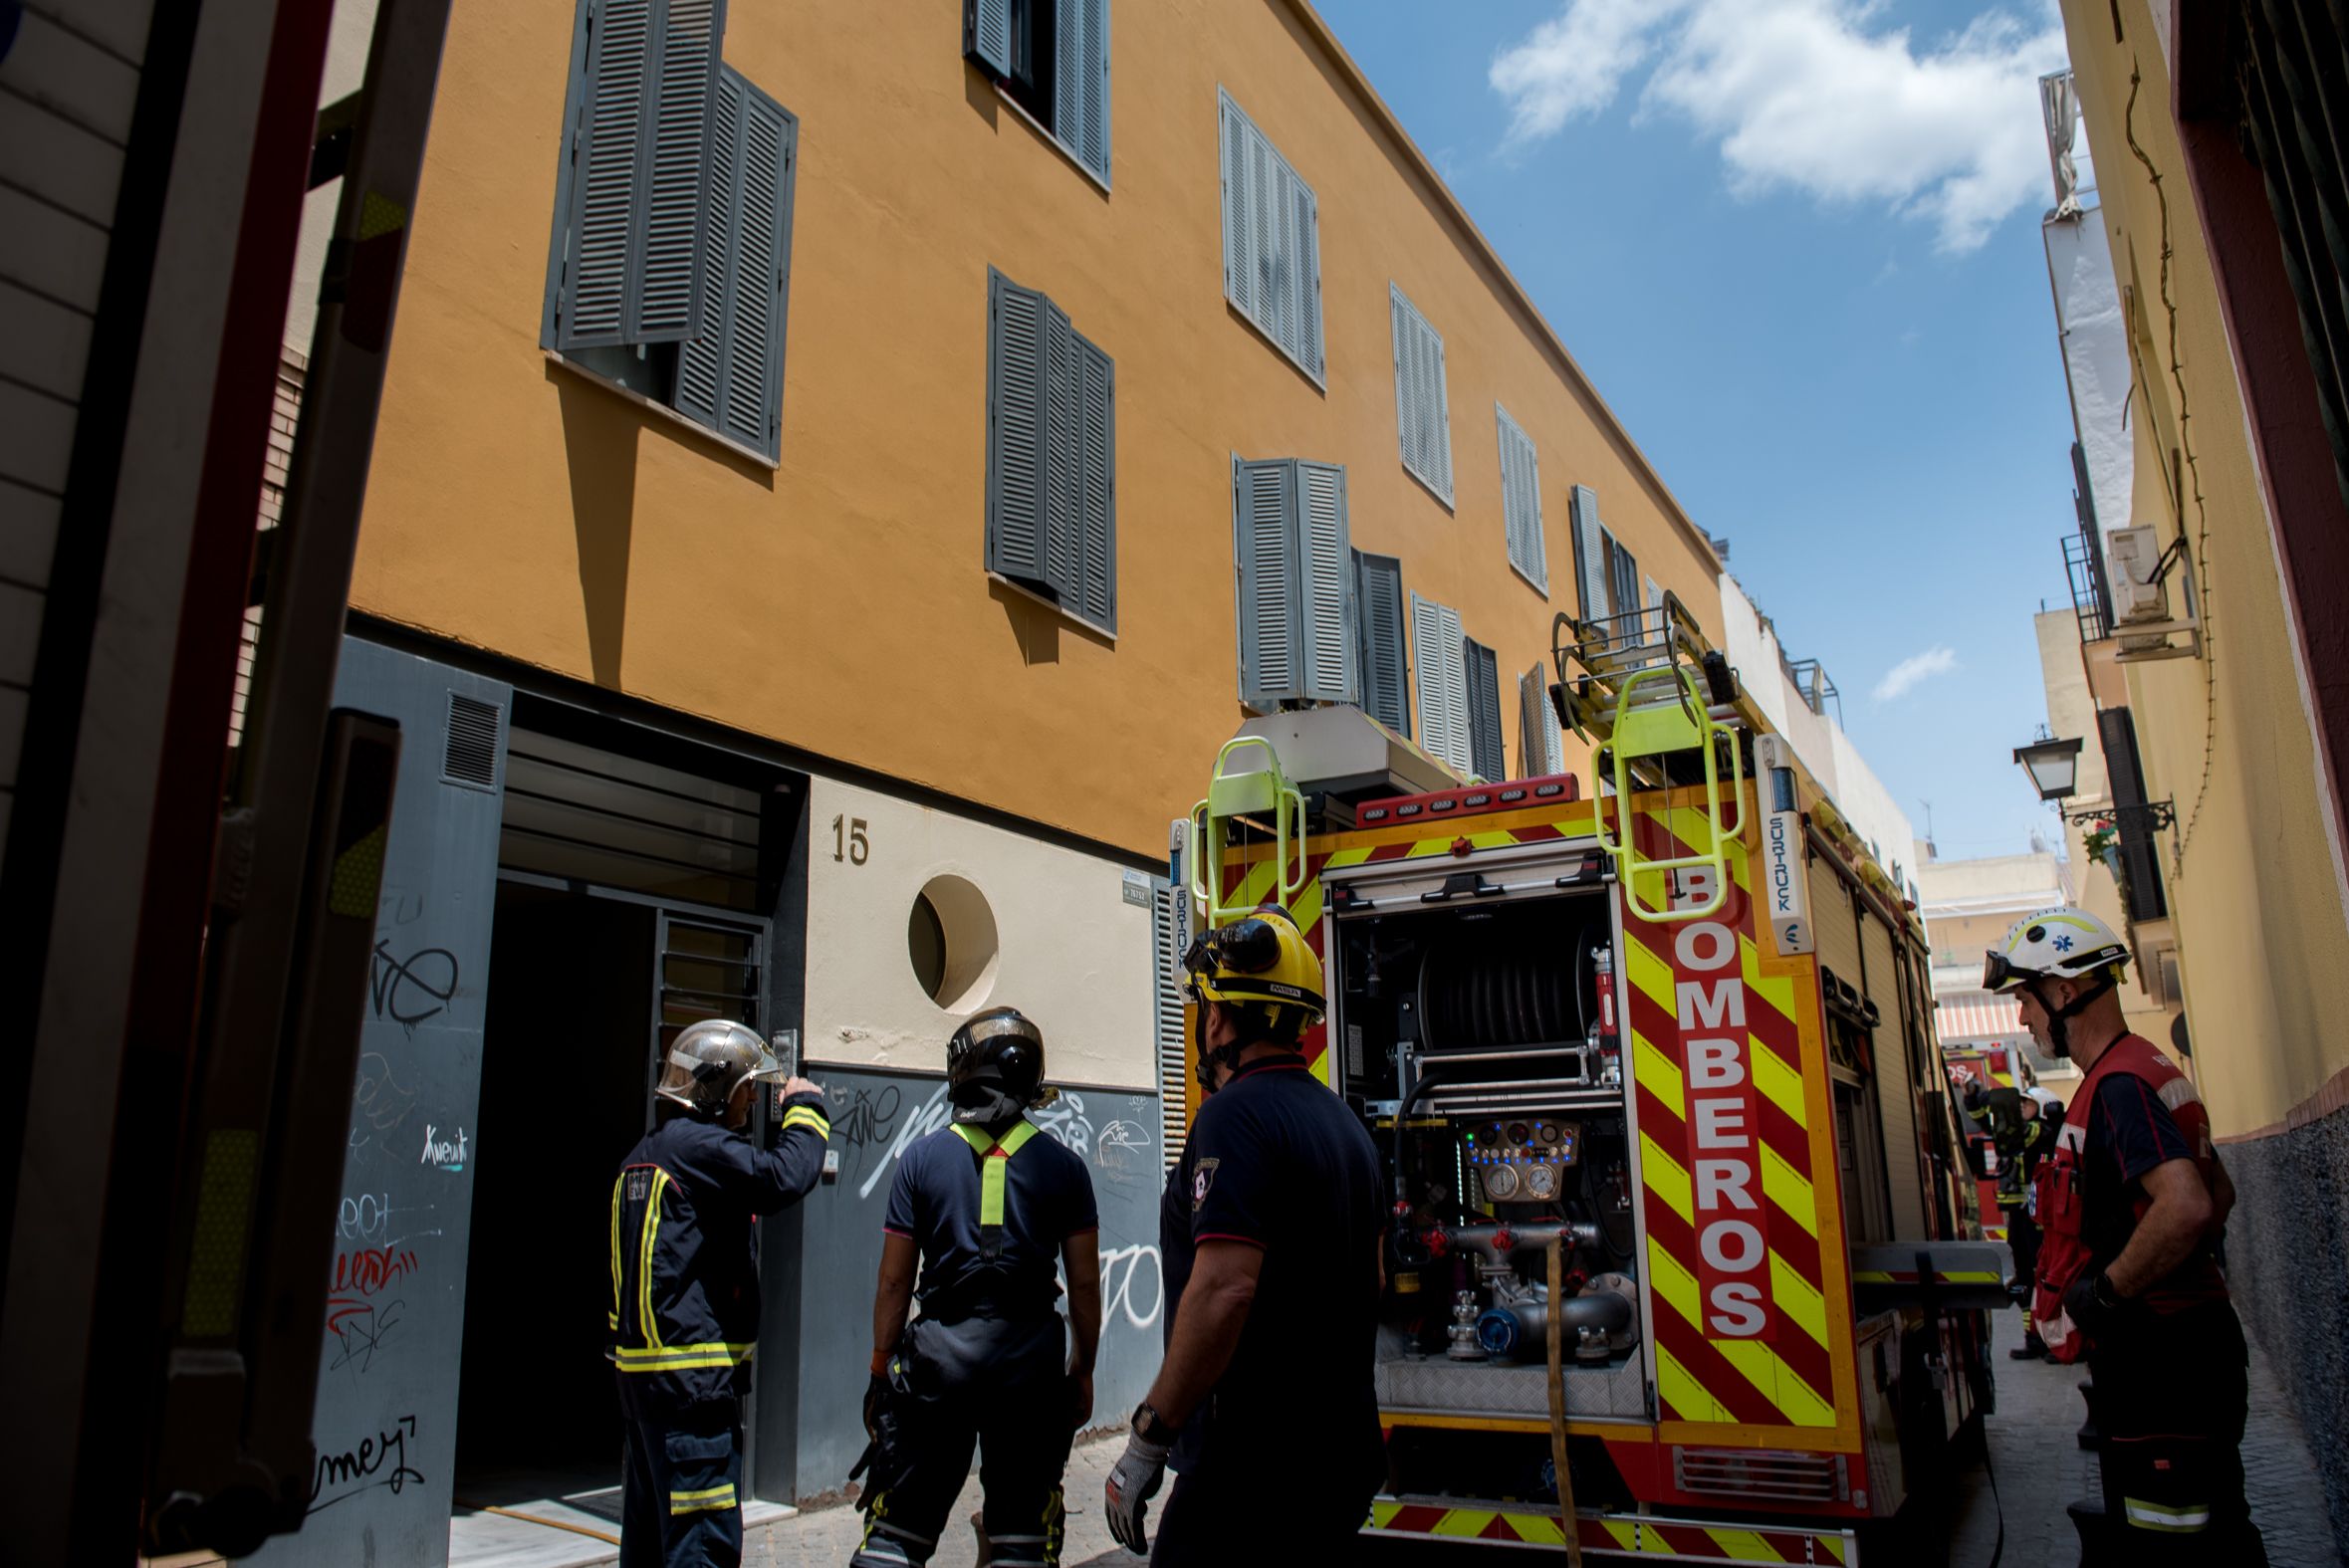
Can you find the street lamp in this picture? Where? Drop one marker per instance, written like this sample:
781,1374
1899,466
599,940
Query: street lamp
2054,765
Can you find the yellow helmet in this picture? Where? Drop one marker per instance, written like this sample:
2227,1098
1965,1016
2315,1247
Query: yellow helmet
1263,959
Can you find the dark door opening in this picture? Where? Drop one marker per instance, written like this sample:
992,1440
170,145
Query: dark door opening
562,1100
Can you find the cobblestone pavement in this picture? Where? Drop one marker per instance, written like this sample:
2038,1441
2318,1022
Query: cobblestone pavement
2038,1465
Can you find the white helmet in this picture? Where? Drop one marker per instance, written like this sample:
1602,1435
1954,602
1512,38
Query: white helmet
708,1060
2065,942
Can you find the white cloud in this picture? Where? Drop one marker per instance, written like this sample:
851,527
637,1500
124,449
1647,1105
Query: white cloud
1810,94
1904,676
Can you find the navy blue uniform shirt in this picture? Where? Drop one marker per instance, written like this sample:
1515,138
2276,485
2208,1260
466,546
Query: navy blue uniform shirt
2131,1132
934,1202
1276,1161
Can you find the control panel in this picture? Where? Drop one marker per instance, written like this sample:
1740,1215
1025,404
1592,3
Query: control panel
1524,1162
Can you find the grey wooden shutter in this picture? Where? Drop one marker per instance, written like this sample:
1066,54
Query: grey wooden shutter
1439,667
1272,242
730,377
1422,413
1626,584
1095,598
1016,395
1378,598
1062,473
1521,501
1542,745
640,192
987,34
1325,554
1271,629
1080,81
1483,673
1591,588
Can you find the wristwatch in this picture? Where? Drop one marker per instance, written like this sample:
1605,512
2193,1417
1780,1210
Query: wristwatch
1150,1427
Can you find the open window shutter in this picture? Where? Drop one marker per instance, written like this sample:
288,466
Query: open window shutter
1174,1055
1441,675
1096,485
1062,467
1483,672
1326,551
1264,538
2116,731
1378,598
1626,594
1439,403
987,35
1080,92
1016,429
1521,501
1541,746
1271,241
641,228
1406,380
1421,416
1592,589
1242,227
730,377
1304,272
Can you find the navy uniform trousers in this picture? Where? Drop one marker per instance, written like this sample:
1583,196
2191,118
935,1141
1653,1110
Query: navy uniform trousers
681,1490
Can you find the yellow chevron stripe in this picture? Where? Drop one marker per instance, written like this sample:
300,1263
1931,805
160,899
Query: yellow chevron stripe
1256,885
1693,827
1763,1368
1673,1281
1458,1523
1684,1393
1831,1544
1649,972
1382,1512
1664,1178
1497,838
1658,1076
1308,908
1789,1190
1779,1082
1744,1543
1624,1534
1805,1307
1428,846
1539,1528
1348,857
1777,990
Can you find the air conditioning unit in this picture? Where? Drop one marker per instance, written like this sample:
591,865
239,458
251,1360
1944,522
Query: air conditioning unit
2133,562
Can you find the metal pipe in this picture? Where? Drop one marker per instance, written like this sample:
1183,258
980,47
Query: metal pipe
1583,1233
1528,1053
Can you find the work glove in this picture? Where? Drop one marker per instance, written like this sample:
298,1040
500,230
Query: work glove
876,1393
1134,1481
2094,1306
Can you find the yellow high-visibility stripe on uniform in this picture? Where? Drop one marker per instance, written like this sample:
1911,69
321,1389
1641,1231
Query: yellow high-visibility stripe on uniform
647,1322
615,1248
2173,1518
809,1117
707,1499
680,1358
994,1156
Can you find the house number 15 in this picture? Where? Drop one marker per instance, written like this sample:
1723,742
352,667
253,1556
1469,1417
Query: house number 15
848,841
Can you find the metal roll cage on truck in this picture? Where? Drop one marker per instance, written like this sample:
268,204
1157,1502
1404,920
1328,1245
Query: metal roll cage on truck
1678,1261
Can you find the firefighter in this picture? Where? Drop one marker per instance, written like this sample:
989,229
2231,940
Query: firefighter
1275,1240
991,1209
685,1286
2018,1162
2131,1201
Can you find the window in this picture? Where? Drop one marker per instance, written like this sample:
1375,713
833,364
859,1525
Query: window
1422,413
668,267
1521,502
1271,243
1483,673
1051,57
1052,455
1440,665
1593,547
1378,594
1542,742
1297,615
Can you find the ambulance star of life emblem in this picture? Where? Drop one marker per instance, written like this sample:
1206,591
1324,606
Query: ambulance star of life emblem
1202,1179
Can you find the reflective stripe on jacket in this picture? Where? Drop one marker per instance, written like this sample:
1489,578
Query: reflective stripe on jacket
684,1314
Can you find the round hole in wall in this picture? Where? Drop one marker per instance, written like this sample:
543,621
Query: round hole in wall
951,939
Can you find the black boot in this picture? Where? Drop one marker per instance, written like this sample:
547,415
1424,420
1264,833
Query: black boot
2033,1348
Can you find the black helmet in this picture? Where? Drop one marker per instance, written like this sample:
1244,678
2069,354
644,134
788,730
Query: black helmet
995,1067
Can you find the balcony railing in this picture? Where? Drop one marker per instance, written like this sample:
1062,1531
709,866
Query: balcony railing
2083,569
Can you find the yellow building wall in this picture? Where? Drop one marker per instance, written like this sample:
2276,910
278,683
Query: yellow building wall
2255,888
838,603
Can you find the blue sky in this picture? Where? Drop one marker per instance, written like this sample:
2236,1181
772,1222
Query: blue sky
1796,244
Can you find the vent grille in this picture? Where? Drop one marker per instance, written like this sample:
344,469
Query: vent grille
471,757
1761,1472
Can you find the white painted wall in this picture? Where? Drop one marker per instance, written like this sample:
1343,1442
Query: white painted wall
1073,954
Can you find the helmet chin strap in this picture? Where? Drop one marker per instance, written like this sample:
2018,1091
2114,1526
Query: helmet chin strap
2059,1038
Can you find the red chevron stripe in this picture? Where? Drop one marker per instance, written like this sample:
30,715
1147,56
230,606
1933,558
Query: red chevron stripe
1415,1520
1389,852
1497,1529
1747,1406
1539,832
1689,1541
1779,1131
1790,1548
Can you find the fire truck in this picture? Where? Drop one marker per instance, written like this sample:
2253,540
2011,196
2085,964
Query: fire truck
1678,1266
1994,1066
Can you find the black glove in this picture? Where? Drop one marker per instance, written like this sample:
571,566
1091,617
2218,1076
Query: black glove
2094,1306
876,1392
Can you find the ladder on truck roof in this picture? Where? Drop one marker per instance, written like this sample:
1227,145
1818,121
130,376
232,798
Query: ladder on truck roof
1662,707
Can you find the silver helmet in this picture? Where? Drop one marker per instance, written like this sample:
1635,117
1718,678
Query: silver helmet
709,1059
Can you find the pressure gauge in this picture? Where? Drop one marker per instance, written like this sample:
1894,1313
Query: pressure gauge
1546,1132
1541,1182
1501,1182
